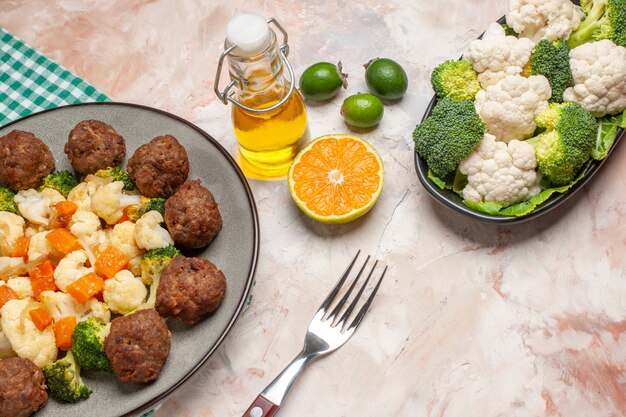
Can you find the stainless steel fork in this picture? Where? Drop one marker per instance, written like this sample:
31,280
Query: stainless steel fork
326,333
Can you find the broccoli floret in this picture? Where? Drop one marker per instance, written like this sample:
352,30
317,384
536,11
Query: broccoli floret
135,211
606,19
7,202
551,59
117,174
448,135
64,381
153,263
88,345
62,181
567,142
455,79
157,204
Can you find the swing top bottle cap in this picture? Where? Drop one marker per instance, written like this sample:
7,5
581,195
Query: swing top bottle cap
250,32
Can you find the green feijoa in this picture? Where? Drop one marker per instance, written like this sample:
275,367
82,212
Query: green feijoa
322,81
386,78
362,110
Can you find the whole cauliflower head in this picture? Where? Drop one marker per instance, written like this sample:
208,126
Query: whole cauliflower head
86,226
109,201
39,246
82,193
26,340
35,205
11,227
70,268
124,292
60,304
599,70
543,19
122,237
509,107
496,55
505,173
149,234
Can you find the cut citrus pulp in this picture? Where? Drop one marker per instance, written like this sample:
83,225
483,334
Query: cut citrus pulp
336,178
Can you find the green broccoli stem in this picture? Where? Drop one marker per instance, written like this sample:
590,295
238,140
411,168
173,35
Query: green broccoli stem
592,23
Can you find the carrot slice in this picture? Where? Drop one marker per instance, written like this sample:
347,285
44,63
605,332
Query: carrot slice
61,213
7,294
20,248
63,330
42,278
63,241
111,261
85,287
41,318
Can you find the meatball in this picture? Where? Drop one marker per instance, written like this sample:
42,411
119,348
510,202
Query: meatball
94,145
190,289
192,215
22,388
159,167
24,160
137,346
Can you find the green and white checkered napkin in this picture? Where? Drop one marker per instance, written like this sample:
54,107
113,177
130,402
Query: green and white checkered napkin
30,82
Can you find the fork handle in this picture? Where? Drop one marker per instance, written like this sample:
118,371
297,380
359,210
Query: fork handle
261,407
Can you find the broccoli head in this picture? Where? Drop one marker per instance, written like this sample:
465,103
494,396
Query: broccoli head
62,181
88,345
117,174
567,142
64,381
153,263
551,59
606,19
7,202
448,135
455,79
157,204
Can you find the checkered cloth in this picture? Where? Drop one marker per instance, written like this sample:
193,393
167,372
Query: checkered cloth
30,82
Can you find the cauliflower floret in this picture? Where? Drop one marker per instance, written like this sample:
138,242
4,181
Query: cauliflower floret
543,19
122,238
32,229
11,227
70,268
8,262
124,292
86,226
82,193
500,172
60,304
149,234
109,201
35,205
39,246
599,70
26,340
496,55
21,286
509,107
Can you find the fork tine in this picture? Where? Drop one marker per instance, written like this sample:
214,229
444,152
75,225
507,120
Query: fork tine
352,305
333,293
343,300
359,317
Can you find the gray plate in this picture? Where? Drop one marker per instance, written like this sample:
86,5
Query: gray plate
234,251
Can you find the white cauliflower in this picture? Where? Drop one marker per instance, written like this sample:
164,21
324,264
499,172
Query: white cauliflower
32,229
543,19
149,234
82,193
86,226
124,292
21,286
500,172
60,304
26,340
509,107
39,246
7,262
122,237
599,70
11,227
35,205
496,55
70,268
109,201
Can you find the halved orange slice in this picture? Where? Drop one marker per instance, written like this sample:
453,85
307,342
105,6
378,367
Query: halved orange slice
336,178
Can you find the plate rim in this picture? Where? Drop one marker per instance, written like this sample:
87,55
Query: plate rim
256,238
